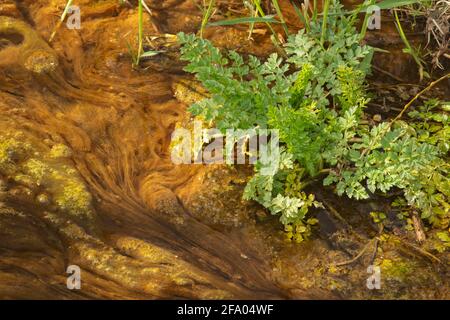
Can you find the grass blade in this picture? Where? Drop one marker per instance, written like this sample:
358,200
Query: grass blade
140,31
409,49
366,19
207,15
280,15
66,9
149,54
391,4
265,19
325,21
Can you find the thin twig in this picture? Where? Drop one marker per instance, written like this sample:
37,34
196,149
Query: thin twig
389,125
359,255
341,219
335,213
377,241
375,250
421,251
388,74
429,87
61,20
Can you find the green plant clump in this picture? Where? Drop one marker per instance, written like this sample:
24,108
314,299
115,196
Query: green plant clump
316,98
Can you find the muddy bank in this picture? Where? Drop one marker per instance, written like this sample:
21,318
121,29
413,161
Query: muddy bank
86,179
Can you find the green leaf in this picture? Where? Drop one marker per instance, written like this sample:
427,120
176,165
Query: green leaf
390,4
149,54
265,19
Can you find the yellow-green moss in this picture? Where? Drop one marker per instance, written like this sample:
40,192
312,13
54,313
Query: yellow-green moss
397,269
74,198
36,169
32,164
11,150
60,151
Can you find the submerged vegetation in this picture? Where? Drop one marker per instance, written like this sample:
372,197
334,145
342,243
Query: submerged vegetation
316,97
45,171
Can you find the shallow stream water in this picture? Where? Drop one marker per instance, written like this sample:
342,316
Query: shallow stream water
86,178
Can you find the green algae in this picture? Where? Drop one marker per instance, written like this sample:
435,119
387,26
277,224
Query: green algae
397,269
36,165
37,170
74,198
60,151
